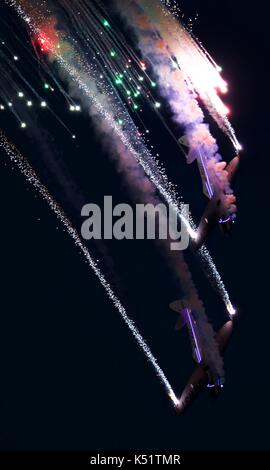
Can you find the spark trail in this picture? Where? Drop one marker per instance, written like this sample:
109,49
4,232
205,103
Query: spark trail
184,75
202,74
106,105
17,93
25,168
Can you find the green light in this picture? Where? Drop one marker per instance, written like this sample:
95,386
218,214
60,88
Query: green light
46,86
118,81
113,53
128,92
120,122
153,84
106,24
135,106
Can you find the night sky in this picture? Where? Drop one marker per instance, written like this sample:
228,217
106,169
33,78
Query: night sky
72,376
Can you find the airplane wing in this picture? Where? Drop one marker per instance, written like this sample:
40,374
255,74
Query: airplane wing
232,168
197,381
186,318
207,188
199,378
207,223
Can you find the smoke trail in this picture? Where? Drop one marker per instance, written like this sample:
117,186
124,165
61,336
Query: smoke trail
32,178
201,71
145,192
204,74
101,107
140,186
107,105
177,62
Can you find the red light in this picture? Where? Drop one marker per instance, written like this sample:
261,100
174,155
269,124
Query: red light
47,39
45,43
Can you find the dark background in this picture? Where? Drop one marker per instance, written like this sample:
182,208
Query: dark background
71,374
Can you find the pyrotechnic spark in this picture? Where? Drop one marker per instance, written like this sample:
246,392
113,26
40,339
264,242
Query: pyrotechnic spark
106,102
15,157
9,88
203,72
185,74
231,310
106,24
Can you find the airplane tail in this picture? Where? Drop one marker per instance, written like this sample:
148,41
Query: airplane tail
178,306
